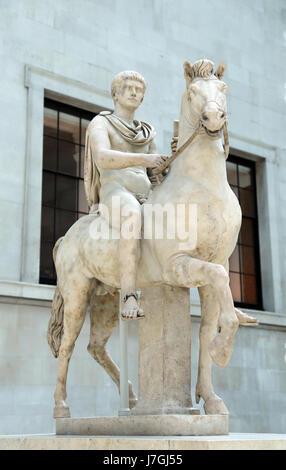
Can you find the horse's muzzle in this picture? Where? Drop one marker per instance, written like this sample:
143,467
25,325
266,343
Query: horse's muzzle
213,133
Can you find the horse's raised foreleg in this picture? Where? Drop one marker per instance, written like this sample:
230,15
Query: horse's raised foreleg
190,272
210,311
104,316
75,307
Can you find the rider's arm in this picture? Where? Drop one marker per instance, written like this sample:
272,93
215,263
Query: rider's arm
106,158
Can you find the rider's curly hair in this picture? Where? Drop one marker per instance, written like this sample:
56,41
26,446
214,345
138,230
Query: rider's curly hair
122,76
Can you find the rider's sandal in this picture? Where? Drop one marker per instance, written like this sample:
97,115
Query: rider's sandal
138,317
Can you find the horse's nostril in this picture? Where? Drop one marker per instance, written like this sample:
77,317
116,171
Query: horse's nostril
205,118
222,115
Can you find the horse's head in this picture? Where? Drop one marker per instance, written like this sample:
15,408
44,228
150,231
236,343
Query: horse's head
206,93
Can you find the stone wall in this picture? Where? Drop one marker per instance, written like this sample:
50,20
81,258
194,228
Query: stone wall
253,385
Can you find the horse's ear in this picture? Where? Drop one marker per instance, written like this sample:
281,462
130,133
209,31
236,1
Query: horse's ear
188,72
220,70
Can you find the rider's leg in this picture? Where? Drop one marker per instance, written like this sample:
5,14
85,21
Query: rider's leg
129,254
129,223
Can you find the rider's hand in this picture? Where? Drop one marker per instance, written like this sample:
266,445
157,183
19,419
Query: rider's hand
157,179
154,160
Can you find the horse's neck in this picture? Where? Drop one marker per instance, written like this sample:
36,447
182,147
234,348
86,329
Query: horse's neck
188,122
204,159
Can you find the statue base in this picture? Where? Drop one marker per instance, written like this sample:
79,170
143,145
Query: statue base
145,425
234,441
171,410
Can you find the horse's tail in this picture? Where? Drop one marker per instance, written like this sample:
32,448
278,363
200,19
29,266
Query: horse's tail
56,322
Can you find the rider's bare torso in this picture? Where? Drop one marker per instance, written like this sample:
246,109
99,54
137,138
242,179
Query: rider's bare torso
134,179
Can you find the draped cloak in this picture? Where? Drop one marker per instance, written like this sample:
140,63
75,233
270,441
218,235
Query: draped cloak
142,133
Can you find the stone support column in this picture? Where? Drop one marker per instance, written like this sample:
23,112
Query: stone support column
165,352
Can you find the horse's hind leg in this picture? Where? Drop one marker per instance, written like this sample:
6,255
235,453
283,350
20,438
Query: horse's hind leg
210,311
75,307
104,316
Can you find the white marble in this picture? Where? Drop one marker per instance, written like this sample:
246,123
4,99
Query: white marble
151,425
119,151
233,441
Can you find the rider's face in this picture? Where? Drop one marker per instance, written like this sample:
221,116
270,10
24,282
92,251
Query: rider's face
131,94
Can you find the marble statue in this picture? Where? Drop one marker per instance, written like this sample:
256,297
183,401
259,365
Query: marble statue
119,150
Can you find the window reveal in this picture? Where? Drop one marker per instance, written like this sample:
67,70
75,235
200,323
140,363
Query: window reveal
63,195
244,263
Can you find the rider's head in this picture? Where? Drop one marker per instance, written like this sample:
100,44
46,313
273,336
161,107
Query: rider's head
128,86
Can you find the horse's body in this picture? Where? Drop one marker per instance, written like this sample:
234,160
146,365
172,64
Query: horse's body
197,177
218,224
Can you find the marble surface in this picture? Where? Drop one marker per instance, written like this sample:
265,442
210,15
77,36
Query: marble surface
235,441
165,353
148,425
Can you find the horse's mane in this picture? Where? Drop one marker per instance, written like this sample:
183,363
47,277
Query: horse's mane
203,68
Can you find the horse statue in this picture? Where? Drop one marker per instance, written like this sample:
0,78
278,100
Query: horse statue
87,266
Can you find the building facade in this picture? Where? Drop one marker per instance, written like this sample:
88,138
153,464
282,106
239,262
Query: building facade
58,60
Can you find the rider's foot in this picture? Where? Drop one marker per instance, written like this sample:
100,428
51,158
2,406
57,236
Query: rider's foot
130,309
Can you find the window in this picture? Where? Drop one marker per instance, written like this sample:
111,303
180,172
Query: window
244,263
63,195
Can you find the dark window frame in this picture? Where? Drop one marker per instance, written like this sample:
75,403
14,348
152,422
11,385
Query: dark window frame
81,114
252,165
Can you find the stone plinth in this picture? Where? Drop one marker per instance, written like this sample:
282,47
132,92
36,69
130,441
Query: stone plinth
164,406
231,442
148,425
165,352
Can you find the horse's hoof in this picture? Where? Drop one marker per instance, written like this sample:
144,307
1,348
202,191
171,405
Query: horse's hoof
215,406
244,319
138,317
220,351
132,402
61,411
198,395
